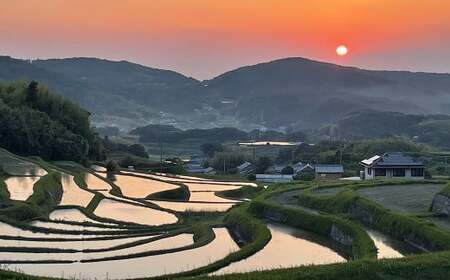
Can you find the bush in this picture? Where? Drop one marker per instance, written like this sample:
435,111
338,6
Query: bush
112,166
288,170
305,176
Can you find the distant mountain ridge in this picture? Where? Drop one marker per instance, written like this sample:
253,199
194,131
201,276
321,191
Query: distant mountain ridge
286,94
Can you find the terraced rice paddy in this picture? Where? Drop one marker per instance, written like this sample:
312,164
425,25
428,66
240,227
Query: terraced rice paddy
125,212
15,166
413,198
71,215
193,207
73,194
70,227
288,247
136,187
111,231
20,188
95,183
389,247
185,260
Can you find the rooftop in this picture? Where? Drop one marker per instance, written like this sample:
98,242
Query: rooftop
392,159
329,168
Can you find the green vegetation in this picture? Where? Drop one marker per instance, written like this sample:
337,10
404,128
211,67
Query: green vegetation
37,122
341,230
179,194
400,226
47,193
430,129
245,192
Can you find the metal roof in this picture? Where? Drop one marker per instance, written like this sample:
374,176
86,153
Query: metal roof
329,168
393,159
371,160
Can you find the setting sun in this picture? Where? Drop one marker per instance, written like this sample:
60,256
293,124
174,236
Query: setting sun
341,50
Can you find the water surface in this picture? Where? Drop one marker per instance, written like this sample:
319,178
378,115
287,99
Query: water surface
288,247
193,207
126,212
136,187
72,193
20,188
220,247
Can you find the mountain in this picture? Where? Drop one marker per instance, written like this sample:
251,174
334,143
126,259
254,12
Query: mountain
116,93
303,93
286,94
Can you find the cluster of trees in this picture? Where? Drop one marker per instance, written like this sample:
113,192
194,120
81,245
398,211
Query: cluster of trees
35,121
134,149
428,129
170,134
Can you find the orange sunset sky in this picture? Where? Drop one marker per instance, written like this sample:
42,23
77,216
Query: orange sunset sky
203,38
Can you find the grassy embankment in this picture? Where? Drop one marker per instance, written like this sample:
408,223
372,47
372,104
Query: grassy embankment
403,227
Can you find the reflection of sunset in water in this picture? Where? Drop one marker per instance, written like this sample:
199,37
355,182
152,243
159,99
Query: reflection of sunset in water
287,248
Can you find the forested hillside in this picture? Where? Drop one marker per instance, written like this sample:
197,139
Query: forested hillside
429,129
34,121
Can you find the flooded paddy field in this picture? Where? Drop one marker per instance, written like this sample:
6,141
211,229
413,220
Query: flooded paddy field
95,183
20,188
288,247
15,166
72,245
125,212
136,187
148,266
129,236
72,193
389,247
412,198
72,215
193,206
161,244
70,227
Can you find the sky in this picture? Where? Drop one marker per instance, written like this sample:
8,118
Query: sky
204,38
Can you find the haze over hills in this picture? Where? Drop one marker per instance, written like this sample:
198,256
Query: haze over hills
292,93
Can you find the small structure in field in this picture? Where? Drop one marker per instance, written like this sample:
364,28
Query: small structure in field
274,178
246,168
392,165
328,171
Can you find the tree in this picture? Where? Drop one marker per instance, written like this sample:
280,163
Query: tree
138,150
288,170
263,163
112,166
32,93
209,149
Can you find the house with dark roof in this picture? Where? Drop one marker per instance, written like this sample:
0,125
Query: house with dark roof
328,171
392,165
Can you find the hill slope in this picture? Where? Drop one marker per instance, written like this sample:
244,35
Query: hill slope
287,93
306,93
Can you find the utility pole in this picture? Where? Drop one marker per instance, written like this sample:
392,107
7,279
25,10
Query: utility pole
161,157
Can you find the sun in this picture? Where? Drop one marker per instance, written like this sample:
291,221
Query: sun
341,50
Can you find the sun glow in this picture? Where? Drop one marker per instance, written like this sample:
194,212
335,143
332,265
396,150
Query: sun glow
341,50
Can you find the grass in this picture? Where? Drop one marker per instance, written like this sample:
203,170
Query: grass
179,194
361,245
408,228
244,192
414,198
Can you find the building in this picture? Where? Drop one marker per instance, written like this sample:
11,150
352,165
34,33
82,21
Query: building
246,168
302,167
392,165
274,178
328,171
